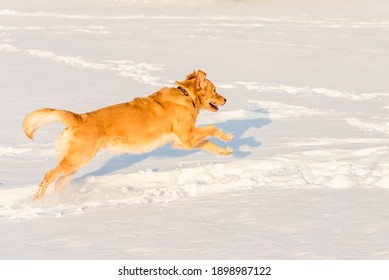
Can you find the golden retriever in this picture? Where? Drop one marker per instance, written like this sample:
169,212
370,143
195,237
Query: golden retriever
138,126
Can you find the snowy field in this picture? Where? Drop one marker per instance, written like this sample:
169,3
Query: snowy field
308,103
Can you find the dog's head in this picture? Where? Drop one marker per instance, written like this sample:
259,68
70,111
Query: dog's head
202,91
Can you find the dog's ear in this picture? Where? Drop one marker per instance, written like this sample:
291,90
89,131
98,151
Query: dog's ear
200,79
191,75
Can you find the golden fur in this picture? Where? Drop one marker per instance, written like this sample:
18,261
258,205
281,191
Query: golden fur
141,125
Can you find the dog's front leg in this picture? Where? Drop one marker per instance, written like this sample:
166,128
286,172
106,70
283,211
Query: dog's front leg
196,139
200,133
209,146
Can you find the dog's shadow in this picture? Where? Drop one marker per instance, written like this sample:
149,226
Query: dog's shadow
237,127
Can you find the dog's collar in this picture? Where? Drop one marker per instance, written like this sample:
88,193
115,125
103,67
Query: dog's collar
184,92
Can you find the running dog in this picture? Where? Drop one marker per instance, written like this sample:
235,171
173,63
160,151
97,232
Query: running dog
138,126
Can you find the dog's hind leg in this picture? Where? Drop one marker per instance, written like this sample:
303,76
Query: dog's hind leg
63,182
49,177
64,172
79,151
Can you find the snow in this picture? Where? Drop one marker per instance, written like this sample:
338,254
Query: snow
308,100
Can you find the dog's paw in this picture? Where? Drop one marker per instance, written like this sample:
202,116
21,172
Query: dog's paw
226,151
37,197
227,137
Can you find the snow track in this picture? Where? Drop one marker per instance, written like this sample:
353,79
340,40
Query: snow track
137,71
294,171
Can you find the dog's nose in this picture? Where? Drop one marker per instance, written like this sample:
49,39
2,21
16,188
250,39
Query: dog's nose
225,100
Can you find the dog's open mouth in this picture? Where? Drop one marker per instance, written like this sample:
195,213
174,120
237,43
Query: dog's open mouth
214,106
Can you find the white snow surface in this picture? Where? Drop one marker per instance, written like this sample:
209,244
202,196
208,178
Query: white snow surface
308,96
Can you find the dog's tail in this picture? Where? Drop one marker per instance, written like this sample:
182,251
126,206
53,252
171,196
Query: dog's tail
36,119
